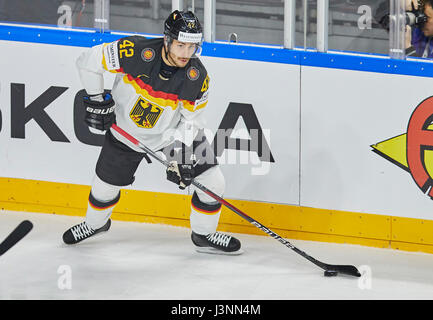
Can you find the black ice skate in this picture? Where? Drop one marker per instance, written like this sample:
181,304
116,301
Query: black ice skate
82,231
217,243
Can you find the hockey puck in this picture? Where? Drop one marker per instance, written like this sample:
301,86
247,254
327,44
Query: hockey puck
330,273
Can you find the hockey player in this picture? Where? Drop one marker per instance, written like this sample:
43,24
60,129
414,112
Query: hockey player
160,92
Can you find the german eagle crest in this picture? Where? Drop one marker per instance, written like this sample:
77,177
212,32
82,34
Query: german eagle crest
145,114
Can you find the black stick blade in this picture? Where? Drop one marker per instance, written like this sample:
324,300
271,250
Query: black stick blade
19,232
344,269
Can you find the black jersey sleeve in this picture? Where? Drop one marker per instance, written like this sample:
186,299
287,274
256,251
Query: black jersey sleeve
122,55
198,89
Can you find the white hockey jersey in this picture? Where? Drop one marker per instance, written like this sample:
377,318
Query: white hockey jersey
153,110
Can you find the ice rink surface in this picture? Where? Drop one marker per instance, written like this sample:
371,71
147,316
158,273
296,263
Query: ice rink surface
146,261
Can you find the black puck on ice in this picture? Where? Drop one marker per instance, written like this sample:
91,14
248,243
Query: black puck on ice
330,273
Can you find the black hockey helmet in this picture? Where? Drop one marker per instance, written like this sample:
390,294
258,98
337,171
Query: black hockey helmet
183,26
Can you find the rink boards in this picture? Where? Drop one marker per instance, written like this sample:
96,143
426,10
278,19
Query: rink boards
332,162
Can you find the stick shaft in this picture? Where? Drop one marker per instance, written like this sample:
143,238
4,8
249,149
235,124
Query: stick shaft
16,235
255,223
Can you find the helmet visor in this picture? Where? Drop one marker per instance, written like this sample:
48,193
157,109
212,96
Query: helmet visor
192,38
185,49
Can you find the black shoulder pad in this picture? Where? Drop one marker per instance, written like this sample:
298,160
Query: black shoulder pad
133,51
129,53
197,79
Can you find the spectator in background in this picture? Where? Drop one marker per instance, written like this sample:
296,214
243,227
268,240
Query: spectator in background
419,31
419,40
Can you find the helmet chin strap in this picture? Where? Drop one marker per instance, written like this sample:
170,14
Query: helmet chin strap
168,68
167,45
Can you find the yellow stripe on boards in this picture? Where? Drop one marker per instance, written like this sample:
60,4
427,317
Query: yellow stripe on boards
293,222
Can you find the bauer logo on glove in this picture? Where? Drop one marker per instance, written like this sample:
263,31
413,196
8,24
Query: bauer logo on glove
181,174
99,111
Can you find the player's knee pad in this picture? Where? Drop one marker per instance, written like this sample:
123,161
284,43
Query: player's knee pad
214,180
102,199
102,191
204,216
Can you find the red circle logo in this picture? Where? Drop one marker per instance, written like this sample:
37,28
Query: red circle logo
193,73
148,54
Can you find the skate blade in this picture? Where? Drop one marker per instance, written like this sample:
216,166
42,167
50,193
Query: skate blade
210,250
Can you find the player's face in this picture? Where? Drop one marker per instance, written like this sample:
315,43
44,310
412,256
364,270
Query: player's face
428,27
181,52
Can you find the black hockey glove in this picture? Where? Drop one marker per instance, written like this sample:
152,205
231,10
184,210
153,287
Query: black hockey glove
99,111
181,174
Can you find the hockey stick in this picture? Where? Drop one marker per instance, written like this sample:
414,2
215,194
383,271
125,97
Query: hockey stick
19,232
330,269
